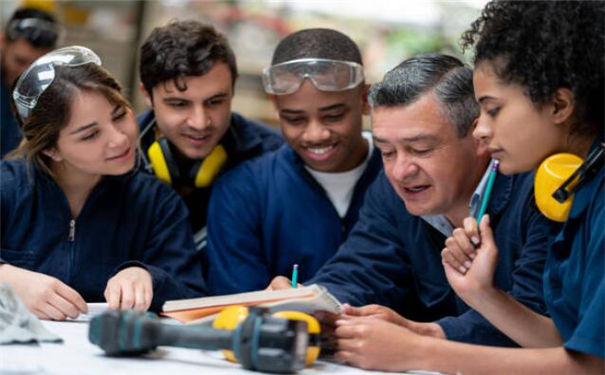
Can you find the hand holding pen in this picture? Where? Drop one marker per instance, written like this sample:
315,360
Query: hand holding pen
463,243
470,270
282,282
470,255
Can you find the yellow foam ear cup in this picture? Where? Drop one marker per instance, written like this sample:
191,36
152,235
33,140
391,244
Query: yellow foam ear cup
312,326
551,174
229,318
211,166
158,162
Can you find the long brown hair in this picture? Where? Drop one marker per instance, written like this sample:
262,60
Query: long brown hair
53,110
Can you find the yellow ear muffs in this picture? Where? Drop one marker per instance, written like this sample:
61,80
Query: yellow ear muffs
160,157
558,178
211,167
551,174
231,316
202,173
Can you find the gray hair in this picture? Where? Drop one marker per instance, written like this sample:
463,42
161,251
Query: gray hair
446,76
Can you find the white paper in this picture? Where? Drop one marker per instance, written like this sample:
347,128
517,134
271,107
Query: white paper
94,309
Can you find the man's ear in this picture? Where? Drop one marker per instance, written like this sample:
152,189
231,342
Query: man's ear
53,154
146,96
365,102
563,105
273,100
2,41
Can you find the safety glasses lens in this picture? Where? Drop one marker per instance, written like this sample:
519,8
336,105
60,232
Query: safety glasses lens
326,75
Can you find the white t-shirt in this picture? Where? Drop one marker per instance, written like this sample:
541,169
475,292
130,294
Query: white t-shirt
340,186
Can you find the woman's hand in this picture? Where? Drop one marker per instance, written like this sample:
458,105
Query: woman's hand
376,344
389,315
45,296
131,288
469,270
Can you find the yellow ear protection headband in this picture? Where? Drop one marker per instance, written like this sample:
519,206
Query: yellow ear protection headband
231,316
203,172
559,177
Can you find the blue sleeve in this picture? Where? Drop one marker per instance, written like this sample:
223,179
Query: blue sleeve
234,260
169,255
368,267
10,135
588,335
526,285
6,187
9,186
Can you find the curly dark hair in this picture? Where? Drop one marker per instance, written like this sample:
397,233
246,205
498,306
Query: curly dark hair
546,45
181,49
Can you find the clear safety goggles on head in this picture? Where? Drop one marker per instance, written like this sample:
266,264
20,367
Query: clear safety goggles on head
41,73
325,74
37,31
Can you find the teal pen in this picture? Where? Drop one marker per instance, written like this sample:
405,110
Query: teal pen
294,275
488,190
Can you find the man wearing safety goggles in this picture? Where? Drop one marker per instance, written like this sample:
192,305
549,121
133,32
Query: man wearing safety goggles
29,34
297,205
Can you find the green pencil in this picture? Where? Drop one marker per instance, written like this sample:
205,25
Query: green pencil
488,190
294,275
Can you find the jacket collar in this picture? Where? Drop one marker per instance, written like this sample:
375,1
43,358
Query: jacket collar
501,194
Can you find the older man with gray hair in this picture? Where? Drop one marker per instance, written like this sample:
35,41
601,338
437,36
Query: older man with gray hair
423,113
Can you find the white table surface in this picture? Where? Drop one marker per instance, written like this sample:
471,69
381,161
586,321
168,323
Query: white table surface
76,355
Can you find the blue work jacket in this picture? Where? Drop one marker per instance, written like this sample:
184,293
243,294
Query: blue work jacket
128,220
10,134
393,258
270,213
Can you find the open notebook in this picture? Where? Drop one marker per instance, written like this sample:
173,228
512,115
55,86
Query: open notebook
306,299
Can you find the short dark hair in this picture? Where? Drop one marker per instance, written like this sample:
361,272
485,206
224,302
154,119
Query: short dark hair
317,43
446,76
181,49
45,37
546,45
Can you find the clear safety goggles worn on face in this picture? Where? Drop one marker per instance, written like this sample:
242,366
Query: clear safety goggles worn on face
41,73
325,74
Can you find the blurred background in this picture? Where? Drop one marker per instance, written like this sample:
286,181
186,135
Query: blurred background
387,32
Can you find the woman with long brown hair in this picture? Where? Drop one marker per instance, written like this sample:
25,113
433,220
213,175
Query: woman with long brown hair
79,223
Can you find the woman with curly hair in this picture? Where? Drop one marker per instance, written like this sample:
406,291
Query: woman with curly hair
539,74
